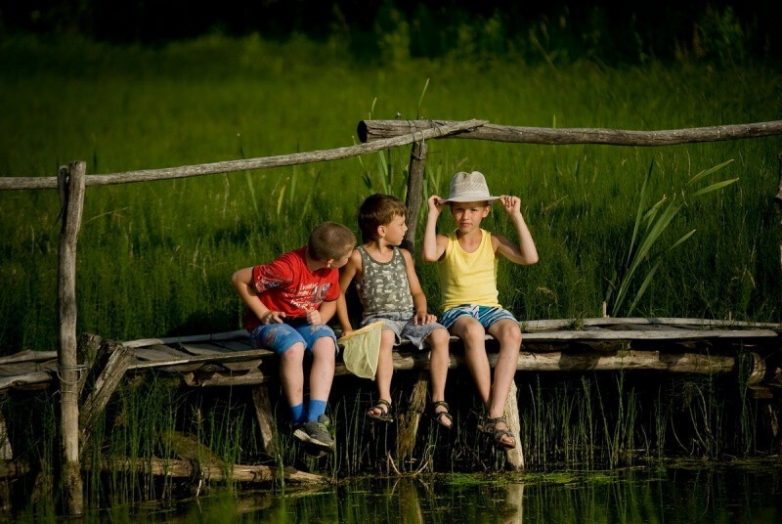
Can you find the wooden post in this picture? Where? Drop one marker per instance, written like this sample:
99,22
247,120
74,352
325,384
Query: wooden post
511,414
409,420
263,413
415,190
778,199
71,182
119,358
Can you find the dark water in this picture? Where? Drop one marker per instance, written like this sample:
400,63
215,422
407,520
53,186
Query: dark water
672,495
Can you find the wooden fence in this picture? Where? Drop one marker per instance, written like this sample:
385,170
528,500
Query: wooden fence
72,181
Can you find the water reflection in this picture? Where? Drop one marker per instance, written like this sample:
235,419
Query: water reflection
631,496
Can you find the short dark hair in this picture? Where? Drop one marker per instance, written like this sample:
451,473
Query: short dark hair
378,210
330,241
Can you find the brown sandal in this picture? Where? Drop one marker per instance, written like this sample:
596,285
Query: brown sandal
384,407
438,415
490,427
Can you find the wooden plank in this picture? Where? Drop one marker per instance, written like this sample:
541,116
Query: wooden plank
220,357
662,334
28,356
32,380
371,130
224,335
564,361
531,326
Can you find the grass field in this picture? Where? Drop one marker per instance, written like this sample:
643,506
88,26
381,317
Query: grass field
156,258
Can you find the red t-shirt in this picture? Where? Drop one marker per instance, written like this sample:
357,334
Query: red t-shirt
287,285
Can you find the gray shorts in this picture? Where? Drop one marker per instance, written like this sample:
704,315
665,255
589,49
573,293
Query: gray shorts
404,327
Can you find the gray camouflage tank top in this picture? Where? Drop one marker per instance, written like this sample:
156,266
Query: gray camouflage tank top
382,286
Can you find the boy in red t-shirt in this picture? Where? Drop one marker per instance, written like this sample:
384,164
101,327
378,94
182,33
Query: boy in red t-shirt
289,302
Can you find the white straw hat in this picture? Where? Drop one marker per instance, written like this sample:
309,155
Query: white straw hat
470,187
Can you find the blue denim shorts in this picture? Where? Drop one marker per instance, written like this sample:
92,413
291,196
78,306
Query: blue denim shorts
487,316
280,337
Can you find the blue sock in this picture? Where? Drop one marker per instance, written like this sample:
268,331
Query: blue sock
315,408
297,413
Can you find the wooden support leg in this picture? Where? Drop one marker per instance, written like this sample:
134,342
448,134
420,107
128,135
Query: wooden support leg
119,358
6,454
515,455
409,421
265,417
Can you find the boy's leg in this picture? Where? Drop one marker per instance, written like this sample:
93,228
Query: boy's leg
385,372
473,336
289,346
292,375
322,372
508,335
438,369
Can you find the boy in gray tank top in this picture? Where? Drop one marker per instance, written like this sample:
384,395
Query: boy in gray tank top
389,290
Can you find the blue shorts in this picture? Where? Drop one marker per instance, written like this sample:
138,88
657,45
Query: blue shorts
280,337
487,316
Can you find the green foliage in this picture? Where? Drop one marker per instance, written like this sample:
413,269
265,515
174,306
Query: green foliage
650,226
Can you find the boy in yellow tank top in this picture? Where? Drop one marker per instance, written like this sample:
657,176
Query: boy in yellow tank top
467,260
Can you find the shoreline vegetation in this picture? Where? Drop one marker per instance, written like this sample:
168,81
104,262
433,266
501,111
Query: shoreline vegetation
155,259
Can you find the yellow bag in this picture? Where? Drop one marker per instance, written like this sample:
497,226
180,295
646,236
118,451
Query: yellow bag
362,349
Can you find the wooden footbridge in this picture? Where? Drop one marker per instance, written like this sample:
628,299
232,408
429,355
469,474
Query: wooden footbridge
665,345
87,378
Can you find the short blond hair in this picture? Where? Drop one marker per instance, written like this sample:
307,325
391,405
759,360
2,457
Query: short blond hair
330,241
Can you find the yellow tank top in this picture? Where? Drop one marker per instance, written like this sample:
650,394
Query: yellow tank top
469,278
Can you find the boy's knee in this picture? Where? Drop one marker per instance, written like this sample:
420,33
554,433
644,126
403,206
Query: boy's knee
473,331
510,334
294,352
439,338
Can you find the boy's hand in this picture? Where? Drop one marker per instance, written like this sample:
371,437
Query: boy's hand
313,318
273,317
512,204
435,204
423,317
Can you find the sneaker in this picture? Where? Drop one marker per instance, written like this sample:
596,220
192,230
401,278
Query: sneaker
316,433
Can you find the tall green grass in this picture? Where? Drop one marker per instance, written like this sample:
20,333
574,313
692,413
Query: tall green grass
156,258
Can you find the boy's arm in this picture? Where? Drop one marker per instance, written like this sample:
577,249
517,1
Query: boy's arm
525,251
422,316
242,281
326,310
434,244
345,278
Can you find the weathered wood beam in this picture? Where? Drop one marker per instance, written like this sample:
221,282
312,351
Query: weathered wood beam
410,419
119,358
148,175
71,182
371,130
177,468
514,456
595,361
265,417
